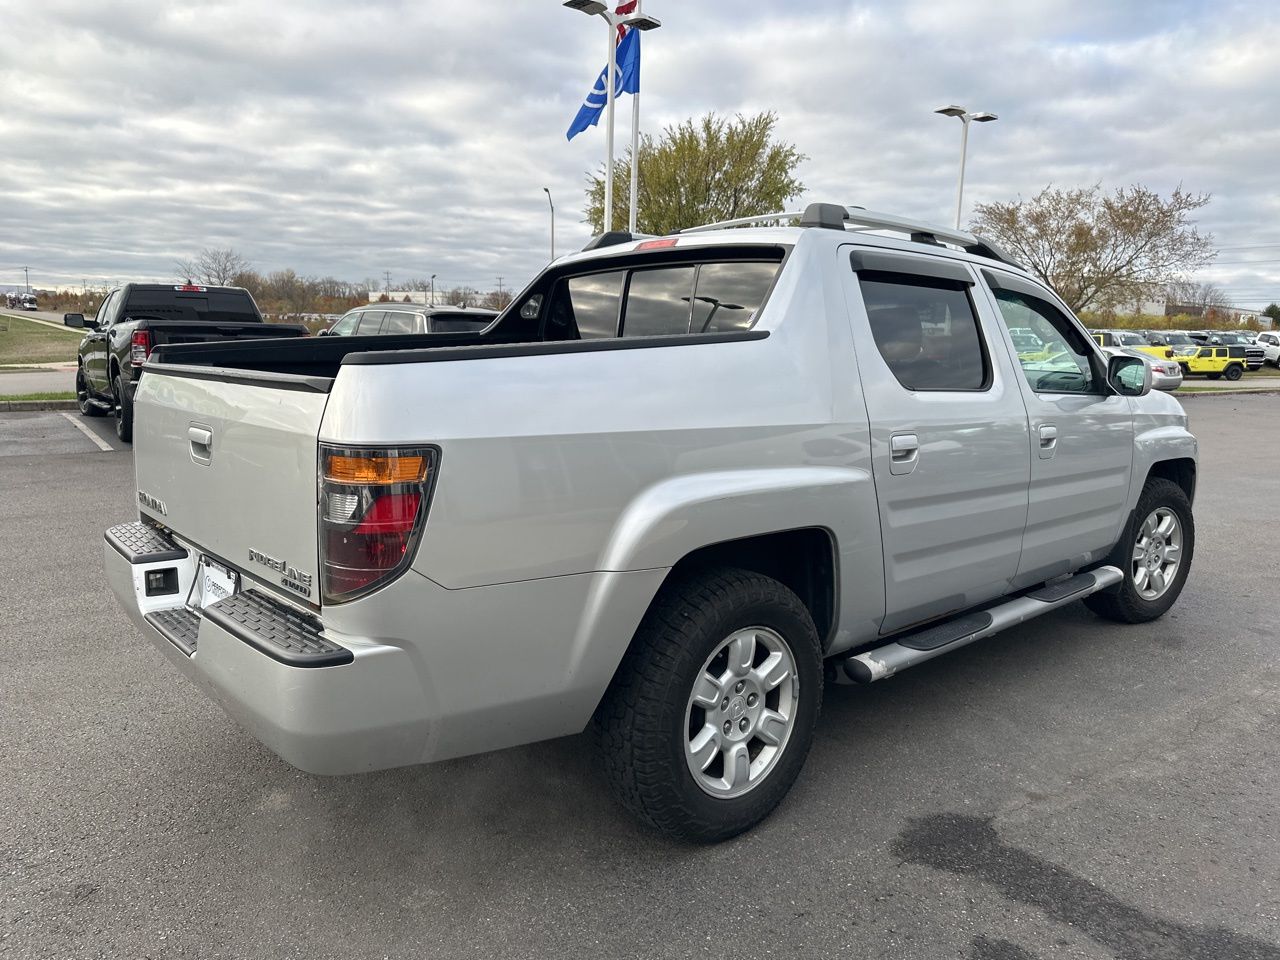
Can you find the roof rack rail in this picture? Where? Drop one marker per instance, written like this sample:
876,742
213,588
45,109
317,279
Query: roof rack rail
833,216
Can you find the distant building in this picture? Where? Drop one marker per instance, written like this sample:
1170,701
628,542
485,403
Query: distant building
399,296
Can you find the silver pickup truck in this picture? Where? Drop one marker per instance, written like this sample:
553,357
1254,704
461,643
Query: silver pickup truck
680,485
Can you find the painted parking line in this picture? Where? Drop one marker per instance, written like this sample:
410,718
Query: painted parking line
97,440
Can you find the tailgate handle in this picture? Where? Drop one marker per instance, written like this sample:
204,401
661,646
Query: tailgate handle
201,443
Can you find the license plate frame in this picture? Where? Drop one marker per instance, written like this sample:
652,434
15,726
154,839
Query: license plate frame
214,581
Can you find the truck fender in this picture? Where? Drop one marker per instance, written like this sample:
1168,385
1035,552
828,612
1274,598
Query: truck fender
674,517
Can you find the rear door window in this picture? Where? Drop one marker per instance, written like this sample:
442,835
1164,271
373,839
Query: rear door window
926,331
400,322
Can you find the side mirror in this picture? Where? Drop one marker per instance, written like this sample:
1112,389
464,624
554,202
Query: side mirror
322,333
74,320
1130,376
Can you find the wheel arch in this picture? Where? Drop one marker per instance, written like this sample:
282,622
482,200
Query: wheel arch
804,559
1180,470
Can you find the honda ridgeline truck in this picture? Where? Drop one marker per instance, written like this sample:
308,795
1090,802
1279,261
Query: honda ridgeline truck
678,487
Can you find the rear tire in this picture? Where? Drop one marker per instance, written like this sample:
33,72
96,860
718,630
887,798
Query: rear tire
84,397
1161,520
1234,372
710,716
124,410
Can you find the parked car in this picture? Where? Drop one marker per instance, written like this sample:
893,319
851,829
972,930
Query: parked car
1119,338
28,302
680,485
1166,374
1253,353
1213,363
402,318
1270,344
136,318
1169,338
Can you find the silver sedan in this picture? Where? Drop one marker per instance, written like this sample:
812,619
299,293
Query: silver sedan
1165,374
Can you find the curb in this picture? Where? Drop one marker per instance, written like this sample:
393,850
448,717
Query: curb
29,405
1256,392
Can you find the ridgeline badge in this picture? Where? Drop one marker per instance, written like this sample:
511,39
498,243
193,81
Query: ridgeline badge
293,578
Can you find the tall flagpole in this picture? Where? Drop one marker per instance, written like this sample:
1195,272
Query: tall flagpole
610,83
635,147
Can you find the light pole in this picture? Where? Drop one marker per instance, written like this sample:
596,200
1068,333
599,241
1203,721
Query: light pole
547,191
433,289
965,118
637,21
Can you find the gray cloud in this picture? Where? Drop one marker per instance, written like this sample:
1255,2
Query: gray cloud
416,137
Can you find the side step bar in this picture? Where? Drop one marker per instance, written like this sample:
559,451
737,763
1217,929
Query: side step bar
934,641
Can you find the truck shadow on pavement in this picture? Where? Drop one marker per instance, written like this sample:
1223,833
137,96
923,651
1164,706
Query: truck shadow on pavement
970,846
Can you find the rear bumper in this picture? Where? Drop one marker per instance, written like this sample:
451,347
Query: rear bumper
364,714
431,674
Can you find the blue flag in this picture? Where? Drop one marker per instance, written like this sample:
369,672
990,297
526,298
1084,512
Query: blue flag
627,81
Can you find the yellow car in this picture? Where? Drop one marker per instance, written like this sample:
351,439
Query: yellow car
1211,362
1132,341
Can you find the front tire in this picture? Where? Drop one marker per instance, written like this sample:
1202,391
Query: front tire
708,721
1154,553
124,410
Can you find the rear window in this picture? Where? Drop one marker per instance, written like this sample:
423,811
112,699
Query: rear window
662,300
205,305
460,324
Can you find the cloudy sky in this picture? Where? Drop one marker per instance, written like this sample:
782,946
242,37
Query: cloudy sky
352,139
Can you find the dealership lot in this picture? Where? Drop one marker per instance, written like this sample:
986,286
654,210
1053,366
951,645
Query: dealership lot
1070,788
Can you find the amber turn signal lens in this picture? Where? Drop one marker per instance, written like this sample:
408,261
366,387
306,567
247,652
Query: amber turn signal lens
374,470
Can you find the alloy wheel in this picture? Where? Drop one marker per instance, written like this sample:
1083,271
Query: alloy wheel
1157,553
741,712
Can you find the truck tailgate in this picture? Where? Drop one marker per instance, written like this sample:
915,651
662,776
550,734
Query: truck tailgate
228,463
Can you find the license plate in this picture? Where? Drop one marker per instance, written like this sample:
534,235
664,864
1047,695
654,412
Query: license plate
216,582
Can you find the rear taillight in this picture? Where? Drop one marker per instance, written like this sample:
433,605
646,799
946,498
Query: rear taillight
373,503
140,347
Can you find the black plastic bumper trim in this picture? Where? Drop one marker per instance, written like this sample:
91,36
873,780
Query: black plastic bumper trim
139,543
178,625
949,632
277,630
1063,589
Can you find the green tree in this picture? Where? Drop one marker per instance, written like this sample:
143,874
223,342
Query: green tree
701,171
1099,250
1272,311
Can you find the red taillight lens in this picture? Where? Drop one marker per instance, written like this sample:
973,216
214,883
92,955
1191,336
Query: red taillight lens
373,503
140,347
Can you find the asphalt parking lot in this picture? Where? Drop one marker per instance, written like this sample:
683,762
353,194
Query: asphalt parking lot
1070,788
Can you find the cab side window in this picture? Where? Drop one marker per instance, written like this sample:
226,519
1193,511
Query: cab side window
105,310
370,322
1066,363
345,326
926,331
400,322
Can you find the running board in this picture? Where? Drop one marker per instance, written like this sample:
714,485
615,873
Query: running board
934,641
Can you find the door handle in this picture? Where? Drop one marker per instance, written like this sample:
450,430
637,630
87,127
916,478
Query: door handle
201,440
1048,440
904,453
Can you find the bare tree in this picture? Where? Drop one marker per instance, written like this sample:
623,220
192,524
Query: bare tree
1184,293
1098,250
214,266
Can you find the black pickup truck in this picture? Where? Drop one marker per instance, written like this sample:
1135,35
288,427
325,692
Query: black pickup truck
136,318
